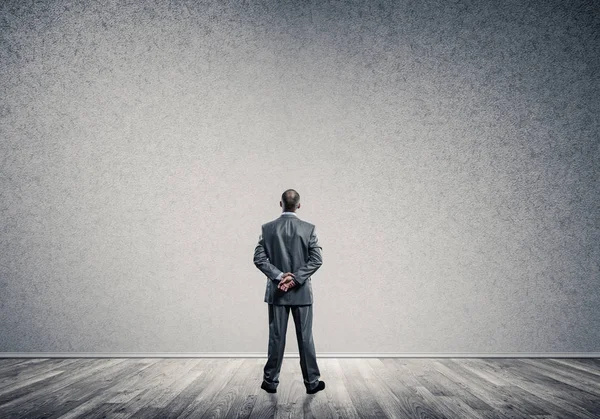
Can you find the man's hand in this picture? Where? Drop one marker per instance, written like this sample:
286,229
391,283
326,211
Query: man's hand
286,281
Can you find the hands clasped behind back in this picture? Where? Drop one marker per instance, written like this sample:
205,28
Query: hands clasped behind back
286,281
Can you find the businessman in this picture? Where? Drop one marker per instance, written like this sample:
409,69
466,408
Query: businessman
288,253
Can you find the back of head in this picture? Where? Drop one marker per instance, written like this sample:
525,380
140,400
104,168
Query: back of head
290,199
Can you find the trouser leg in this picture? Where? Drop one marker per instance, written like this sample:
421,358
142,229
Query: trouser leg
278,320
303,316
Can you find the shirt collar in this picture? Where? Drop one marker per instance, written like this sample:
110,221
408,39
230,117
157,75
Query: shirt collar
289,212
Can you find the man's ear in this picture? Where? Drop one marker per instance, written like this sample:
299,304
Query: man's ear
281,204
298,205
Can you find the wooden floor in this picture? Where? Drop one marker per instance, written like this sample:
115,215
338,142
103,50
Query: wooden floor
355,388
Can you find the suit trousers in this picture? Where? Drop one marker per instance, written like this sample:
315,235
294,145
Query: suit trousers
278,320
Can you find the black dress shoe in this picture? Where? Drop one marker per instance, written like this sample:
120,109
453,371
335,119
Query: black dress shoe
267,389
319,387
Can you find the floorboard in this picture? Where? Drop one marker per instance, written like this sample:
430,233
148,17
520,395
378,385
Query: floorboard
169,388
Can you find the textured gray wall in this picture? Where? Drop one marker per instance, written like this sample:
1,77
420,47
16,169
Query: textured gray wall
447,151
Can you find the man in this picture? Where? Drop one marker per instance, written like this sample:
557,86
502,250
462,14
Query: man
289,244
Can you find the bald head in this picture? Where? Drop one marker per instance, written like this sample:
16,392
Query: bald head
290,200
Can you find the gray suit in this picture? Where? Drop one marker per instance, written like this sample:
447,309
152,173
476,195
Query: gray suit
289,244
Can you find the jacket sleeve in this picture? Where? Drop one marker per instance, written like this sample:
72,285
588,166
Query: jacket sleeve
261,261
315,259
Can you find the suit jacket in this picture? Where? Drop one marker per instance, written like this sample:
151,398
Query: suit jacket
288,244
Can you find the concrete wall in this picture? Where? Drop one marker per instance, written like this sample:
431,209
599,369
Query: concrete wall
446,150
